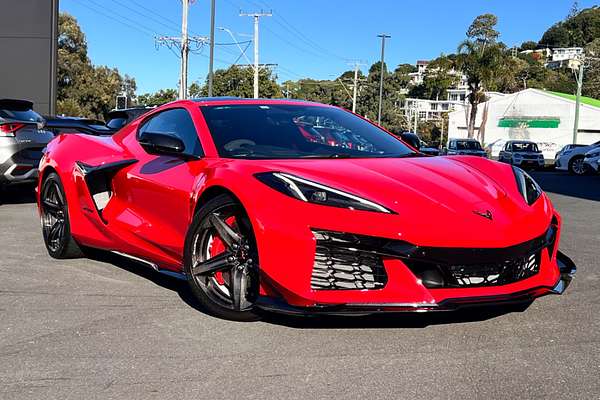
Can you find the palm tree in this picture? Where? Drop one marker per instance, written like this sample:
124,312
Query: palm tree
480,62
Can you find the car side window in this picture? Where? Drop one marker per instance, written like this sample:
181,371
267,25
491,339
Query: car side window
176,122
453,145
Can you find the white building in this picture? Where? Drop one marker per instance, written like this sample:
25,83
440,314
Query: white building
546,118
567,53
428,110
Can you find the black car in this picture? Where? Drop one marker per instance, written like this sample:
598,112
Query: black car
119,118
59,125
416,142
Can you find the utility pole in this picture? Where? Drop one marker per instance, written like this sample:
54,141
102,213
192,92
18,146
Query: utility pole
383,36
212,49
578,100
185,50
356,65
256,17
183,44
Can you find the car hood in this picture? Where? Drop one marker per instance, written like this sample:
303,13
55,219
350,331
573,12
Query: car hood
447,194
439,182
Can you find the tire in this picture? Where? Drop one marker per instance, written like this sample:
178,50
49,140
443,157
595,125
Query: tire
221,262
54,214
577,166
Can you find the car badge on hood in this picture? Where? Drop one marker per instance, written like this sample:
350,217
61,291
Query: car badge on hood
485,214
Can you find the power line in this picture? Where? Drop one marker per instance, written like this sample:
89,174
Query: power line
170,26
96,8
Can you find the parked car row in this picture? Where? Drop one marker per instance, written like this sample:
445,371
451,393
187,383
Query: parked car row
578,159
24,134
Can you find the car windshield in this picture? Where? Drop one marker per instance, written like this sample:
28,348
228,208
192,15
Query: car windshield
467,145
525,147
270,131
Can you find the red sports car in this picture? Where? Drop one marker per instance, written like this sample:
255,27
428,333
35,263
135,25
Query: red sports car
235,197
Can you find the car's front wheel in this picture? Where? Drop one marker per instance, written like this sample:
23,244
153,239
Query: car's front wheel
221,260
54,214
577,166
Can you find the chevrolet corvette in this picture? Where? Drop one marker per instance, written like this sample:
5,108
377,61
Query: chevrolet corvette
300,208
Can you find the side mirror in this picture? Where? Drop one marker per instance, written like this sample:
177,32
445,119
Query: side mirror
162,143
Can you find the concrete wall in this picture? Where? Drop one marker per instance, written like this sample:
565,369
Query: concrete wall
28,30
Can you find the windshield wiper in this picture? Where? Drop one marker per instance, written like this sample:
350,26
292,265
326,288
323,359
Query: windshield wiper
333,155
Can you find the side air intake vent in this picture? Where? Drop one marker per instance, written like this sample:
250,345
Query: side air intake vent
338,267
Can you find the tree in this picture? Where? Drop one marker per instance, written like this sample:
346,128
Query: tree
159,98
84,89
591,83
578,29
482,31
528,45
439,77
239,82
479,59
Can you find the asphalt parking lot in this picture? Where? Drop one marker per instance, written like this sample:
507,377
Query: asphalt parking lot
104,329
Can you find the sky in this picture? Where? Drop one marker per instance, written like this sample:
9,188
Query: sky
305,38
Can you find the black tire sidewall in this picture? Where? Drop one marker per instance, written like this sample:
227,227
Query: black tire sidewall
207,304
68,247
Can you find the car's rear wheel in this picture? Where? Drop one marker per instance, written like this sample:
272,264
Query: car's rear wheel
577,166
221,260
55,220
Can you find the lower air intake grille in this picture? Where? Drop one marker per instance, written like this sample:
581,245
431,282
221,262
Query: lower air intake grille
495,274
339,268
435,275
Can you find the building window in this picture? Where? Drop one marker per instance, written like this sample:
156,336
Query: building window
434,106
445,106
422,114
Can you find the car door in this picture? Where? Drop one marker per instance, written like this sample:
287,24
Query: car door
157,191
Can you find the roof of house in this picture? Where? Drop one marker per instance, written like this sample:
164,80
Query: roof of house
585,100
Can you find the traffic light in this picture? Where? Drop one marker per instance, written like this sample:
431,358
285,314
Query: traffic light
121,102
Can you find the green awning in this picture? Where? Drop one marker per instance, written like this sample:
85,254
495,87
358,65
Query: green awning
529,122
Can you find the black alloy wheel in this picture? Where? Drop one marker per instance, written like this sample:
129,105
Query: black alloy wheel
222,260
55,220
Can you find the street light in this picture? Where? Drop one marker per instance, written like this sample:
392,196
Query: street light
236,42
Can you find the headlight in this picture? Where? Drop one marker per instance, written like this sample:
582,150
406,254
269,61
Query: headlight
593,155
313,192
528,187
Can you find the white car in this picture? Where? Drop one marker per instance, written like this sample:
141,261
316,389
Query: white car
522,153
592,159
573,160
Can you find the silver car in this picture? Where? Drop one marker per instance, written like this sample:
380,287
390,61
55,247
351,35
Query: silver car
522,153
22,140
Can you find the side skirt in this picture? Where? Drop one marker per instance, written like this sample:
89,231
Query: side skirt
152,265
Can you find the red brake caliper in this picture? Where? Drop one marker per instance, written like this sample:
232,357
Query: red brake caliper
217,247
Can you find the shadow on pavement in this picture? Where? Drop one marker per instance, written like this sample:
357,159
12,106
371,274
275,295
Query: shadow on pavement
17,194
396,320
583,187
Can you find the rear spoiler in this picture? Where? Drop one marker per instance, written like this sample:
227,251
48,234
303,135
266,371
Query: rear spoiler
17,105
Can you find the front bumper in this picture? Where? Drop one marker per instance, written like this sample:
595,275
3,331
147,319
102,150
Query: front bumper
537,163
566,268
